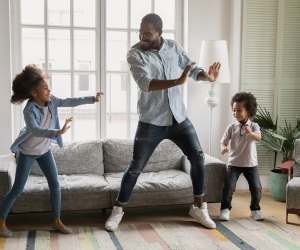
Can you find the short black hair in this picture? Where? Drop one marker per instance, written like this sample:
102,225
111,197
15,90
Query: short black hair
248,100
155,20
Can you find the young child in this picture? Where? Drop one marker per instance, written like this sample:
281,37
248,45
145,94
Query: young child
242,136
33,142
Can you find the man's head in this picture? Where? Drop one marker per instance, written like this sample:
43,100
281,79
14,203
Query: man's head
150,31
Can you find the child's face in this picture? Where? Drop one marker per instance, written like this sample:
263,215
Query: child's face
41,94
239,112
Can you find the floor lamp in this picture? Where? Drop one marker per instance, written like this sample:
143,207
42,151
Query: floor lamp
214,51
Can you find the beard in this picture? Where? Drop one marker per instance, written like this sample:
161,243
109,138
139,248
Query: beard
148,44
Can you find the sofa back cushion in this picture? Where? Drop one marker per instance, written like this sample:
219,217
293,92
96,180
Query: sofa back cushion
84,157
117,154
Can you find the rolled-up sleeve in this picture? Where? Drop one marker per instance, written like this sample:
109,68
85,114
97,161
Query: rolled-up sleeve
184,60
226,136
139,70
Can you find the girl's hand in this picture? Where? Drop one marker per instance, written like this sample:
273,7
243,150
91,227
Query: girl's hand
98,96
182,79
66,126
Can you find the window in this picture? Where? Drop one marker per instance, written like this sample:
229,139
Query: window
121,33
60,37
82,44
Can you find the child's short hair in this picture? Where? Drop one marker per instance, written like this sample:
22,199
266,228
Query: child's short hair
248,100
25,82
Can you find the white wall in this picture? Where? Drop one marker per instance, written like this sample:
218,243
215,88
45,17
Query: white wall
5,79
209,20
214,20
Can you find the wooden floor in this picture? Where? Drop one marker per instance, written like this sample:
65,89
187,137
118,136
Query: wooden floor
240,208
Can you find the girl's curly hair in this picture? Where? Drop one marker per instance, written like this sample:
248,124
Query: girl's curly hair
25,82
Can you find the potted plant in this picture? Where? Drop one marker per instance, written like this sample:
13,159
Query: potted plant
278,140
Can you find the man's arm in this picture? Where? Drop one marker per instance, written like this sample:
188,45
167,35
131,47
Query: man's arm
165,84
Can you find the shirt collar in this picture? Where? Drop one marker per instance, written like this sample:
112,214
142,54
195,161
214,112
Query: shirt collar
38,105
248,123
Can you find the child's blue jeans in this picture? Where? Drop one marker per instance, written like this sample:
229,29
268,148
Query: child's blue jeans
24,165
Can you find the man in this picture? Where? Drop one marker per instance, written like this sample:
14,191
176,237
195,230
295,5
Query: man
154,64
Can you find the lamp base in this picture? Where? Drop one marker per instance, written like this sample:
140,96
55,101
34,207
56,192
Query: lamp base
212,101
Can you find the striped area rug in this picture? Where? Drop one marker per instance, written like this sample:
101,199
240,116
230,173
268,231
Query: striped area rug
244,233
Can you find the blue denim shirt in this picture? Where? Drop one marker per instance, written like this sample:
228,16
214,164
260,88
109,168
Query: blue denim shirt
33,116
158,107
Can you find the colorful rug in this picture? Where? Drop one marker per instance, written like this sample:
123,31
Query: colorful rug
243,233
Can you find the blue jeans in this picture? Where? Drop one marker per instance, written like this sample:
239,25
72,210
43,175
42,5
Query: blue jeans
24,165
252,177
147,138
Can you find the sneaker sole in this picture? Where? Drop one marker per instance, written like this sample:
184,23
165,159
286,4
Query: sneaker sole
223,219
259,219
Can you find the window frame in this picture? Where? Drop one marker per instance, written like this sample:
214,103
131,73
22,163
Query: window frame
100,60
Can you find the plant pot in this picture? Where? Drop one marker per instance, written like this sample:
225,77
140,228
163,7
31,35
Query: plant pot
277,184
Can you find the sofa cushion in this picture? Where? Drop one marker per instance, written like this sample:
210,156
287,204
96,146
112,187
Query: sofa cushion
155,188
76,158
79,192
117,154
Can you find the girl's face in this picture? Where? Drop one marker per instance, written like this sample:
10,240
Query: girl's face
239,112
41,94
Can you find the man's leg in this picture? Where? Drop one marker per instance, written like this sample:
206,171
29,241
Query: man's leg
184,135
146,140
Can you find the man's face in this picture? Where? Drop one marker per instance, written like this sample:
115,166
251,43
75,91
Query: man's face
149,37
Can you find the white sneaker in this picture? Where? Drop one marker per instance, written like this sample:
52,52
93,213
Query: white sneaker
224,214
257,215
114,219
202,216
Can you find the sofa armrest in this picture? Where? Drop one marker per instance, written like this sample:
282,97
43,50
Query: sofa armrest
215,173
209,160
296,168
7,173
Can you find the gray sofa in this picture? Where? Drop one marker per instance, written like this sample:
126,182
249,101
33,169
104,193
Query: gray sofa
90,174
293,186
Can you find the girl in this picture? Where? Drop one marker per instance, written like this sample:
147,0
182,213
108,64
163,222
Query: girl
242,135
33,142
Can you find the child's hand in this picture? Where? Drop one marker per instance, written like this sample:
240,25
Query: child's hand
66,126
98,96
247,130
224,149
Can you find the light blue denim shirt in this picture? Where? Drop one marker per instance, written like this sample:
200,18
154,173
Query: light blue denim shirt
158,107
33,116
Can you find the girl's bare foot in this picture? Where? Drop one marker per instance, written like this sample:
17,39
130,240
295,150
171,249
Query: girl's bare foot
4,231
59,226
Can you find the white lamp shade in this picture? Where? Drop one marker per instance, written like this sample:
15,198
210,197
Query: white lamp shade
215,51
